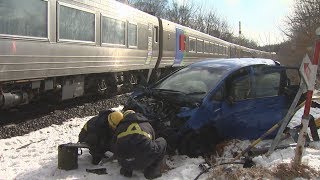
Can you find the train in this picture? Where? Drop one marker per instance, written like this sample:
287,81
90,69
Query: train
65,49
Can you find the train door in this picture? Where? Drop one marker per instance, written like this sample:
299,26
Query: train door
150,43
180,47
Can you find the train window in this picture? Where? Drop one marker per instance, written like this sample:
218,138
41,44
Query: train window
212,47
219,49
200,46
132,34
23,18
192,44
207,47
216,48
113,31
156,34
76,24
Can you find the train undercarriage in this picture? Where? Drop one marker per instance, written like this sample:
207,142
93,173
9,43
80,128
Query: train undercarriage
55,89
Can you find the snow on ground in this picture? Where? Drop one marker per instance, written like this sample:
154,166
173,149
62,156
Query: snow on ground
35,155
311,156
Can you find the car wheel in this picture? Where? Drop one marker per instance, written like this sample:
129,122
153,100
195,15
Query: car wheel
195,144
191,145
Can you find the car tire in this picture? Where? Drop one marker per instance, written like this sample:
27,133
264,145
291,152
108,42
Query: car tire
191,145
196,144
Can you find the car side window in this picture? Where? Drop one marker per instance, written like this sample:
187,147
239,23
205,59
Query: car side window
219,95
266,83
240,85
241,88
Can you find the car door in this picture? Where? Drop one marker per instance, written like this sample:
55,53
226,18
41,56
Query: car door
237,107
270,103
253,102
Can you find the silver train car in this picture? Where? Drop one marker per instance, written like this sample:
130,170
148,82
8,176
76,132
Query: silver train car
67,48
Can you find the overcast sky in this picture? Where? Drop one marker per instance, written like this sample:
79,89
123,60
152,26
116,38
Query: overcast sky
261,20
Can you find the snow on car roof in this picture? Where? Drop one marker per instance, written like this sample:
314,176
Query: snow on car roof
234,63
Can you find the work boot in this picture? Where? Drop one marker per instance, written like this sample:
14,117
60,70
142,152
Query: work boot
152,174
164,166
152,171
126,172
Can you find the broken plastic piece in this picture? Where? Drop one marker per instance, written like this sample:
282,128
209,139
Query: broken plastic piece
98,171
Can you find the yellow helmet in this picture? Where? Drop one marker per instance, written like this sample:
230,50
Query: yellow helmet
114,119
127,112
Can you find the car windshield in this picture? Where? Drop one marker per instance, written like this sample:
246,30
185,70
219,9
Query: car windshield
194,80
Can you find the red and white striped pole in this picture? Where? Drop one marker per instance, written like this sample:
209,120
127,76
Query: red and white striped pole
310,92
310,77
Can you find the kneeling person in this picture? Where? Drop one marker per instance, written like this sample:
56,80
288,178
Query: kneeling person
98,133
136,147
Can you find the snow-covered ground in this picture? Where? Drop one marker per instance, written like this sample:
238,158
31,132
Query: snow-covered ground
35,156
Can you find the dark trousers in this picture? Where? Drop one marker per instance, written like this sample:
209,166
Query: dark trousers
150,162
96,147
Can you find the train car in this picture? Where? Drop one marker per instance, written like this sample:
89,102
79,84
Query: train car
70,47
67,48
185,46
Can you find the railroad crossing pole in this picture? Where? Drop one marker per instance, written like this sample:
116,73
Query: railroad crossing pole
309,72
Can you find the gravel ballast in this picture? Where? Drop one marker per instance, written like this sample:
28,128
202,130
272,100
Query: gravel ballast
59,116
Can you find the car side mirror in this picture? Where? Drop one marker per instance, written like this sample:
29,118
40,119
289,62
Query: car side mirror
230,100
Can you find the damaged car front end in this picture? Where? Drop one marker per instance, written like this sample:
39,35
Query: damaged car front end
197,106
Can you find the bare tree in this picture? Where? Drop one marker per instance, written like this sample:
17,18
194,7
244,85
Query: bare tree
302,24
198,22
193,16
300,29
154,7
210,23
181,14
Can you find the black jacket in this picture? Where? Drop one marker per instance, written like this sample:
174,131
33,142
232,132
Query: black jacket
137,148
135,144
97,132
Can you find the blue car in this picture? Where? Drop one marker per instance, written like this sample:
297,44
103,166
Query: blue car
199,105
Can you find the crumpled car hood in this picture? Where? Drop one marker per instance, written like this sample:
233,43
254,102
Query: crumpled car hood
167,110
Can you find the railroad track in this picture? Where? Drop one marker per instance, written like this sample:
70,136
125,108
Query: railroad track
37,109
28,118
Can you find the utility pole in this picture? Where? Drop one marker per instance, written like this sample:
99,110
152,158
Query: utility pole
239,29
240,40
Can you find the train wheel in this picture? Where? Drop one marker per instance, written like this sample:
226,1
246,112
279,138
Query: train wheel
101,86
133,79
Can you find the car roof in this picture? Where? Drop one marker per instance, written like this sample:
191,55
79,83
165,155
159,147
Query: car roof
234,63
